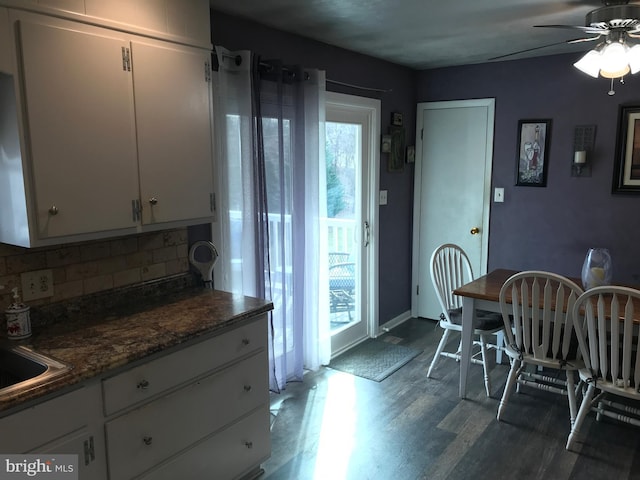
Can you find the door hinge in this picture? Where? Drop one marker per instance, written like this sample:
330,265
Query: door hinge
207,71
421,133
126,59
212,202
417,289
135,210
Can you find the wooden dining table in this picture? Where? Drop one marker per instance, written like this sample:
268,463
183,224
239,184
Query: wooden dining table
484,293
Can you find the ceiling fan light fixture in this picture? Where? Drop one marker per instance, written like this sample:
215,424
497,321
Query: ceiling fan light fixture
633,55
613,59
589,63
615,73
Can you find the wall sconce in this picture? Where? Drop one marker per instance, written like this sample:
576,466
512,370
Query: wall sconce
583,143
579,162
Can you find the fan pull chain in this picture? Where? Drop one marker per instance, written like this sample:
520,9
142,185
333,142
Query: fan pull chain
612,91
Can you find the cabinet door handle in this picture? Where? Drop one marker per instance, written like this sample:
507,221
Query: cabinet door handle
153,201
245,341
248,444
247,388
147,440
53,210
143,385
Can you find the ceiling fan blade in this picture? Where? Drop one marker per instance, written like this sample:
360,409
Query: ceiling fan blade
526,50
581,40
576,40
590,29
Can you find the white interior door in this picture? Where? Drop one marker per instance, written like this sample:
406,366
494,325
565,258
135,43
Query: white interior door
352,130
454,151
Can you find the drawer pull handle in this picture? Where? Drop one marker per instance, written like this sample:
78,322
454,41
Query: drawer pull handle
247,388
143,385
245,341
147,440
248,444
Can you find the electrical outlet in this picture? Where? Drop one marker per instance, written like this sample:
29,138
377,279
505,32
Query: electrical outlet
38,284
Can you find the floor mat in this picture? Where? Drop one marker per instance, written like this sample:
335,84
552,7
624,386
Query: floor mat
374,359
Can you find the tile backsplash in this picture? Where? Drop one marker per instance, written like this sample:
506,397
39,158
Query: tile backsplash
86,268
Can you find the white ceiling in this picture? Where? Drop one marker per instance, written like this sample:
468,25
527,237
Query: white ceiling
425,34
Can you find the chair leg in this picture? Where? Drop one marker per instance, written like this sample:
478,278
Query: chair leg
436,357
585,407
571,394
485,366
499,346
508,388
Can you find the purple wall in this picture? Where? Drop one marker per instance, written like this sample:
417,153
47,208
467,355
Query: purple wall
551,228
395,227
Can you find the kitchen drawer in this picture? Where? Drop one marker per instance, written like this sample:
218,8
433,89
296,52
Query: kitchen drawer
144,437
229,454
145,381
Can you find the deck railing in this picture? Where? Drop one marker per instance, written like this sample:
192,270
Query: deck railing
340,234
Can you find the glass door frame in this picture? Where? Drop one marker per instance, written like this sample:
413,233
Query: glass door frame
344,108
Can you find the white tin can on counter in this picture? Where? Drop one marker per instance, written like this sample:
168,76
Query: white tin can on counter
18,318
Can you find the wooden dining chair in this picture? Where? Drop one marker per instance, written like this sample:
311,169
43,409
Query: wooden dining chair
607,329
450,268
537,311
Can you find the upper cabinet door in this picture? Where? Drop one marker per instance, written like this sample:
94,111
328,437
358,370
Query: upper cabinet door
172,100
80,125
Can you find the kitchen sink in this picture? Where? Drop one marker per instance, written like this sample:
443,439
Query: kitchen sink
22,369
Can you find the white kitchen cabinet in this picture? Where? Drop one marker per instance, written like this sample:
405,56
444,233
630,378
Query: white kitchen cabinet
80,122
174,131
69,424
204,408
181,21
116,134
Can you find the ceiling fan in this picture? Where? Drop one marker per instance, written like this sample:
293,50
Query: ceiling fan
614,27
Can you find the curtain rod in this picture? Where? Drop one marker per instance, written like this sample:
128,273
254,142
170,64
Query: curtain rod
238,61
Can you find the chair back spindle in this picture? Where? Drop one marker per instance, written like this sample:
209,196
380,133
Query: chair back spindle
607,331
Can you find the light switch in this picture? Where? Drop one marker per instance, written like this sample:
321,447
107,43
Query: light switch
498,195
383,197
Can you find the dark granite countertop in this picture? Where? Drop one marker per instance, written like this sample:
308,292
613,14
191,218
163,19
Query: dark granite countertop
95,346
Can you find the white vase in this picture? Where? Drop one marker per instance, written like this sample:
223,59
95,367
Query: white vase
597,268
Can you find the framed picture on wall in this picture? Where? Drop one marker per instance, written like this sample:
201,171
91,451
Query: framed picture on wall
533,152
626,172
396,156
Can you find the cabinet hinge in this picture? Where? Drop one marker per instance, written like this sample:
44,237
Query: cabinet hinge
212,202
207,71
135,210
417,289
421,133
89,451
126,60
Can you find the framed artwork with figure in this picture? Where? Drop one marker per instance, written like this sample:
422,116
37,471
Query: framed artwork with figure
533,152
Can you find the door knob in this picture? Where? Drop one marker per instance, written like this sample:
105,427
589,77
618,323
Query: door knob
475,230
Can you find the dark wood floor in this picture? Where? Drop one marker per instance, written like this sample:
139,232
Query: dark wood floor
336,426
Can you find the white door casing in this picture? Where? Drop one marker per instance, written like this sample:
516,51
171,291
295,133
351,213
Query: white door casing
365,112
454,152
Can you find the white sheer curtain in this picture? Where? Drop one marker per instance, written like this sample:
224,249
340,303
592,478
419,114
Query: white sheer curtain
269,134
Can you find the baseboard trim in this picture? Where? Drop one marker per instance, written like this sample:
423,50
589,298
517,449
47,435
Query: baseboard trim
394,322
